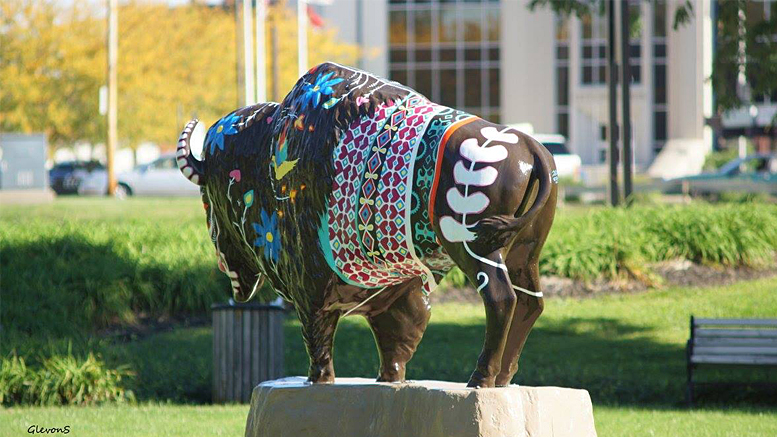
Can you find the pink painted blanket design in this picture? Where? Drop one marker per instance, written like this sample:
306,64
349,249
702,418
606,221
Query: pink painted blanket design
370,205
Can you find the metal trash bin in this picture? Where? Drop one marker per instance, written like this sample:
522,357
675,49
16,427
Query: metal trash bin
247,348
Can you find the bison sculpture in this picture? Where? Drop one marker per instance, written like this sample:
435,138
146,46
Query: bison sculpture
355,196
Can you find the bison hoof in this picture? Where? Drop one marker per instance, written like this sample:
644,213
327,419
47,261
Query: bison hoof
478,380
321,375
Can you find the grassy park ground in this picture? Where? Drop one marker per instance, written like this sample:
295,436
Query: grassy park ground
87,267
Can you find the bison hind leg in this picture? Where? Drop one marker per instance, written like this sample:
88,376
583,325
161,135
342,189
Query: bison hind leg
398,330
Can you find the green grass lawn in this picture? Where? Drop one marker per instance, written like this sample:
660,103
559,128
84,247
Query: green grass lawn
626,350
163,420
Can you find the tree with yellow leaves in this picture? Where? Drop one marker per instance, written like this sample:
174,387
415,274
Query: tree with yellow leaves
174,62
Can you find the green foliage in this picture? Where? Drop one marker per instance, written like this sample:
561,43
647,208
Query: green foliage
717,159
85,264
62,380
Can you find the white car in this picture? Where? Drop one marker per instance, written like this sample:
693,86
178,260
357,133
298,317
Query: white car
568,164
159,178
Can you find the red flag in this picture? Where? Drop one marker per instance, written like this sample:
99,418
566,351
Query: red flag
315,19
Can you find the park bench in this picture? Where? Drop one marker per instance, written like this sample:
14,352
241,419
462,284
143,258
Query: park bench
750,342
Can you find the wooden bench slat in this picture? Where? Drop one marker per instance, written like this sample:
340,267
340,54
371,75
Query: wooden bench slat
728,359
732,333
718,341
735,322
734,350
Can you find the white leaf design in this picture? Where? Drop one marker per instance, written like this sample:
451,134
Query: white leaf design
484,176
471,150
471,204
454,231
492,134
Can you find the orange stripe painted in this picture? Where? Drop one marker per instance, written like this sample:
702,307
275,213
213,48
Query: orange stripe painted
440,152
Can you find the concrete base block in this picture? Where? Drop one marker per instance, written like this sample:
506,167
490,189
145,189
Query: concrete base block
357,407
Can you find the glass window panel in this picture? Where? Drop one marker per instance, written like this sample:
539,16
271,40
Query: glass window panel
756,12
659,125
448,23
635,18
636,73
423,26
562,52
398,27
399,75
659,18
472,54
587,27
448,87
423,55
635,50
493,24
562,29
562,85
472,87
601,74
659,50
423,81
493,54
471,22
494,88
587,51
562,120
588,74
448,55
398,55
659,84
602,51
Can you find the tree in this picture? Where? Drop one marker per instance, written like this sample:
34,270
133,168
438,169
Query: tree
51,65
173,63
759,38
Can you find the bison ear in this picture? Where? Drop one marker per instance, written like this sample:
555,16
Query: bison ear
191,167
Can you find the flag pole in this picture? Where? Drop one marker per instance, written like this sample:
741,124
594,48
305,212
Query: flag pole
261,69
248,53
302,36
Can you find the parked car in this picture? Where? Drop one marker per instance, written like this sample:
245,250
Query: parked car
754,173
66,177
159,178
568,164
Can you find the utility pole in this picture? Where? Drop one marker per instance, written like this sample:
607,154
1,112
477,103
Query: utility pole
626,102
113,55
612,131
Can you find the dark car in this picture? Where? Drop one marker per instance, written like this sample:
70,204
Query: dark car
754,173
65,177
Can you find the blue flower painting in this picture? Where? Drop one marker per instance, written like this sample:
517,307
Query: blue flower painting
314,92
225,126
267,235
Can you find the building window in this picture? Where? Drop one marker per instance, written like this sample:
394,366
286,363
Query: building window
448,50
594,47
562,76
593,57
659,76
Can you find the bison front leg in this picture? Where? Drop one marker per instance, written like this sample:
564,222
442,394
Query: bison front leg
398,330
318,332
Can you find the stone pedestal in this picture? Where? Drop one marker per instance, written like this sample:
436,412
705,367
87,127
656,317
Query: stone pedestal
357,407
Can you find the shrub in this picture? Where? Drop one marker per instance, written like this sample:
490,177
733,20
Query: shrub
61,380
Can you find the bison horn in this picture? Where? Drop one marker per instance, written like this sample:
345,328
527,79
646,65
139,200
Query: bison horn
190,166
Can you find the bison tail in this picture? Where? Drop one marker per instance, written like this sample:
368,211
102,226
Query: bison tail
190,166
496,232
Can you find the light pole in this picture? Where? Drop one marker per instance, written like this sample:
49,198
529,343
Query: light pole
113,55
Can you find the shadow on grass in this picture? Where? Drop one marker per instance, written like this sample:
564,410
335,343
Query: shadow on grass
616,362
65,287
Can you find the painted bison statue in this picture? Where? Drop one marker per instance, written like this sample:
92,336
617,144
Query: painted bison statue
356,195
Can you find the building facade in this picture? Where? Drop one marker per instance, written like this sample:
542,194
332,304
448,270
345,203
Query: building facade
506,63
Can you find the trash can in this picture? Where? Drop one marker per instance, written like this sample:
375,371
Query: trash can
247,348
